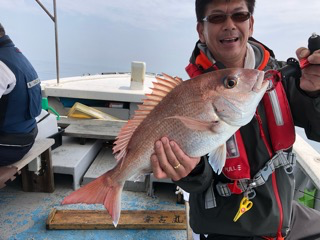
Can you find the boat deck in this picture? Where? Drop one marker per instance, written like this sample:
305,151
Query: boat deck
111,87
24,214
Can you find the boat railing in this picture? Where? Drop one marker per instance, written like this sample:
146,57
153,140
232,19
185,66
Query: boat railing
307,173
308,159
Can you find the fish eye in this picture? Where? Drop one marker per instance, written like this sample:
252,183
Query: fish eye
230,82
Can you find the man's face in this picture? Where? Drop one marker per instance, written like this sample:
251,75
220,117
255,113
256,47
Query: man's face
226,41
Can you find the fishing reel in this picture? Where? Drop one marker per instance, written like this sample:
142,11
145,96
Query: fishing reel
293,67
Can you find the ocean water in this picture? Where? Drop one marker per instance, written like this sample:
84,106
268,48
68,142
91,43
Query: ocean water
47,69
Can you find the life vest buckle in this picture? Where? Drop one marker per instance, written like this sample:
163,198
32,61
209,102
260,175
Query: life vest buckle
292,163
250,193
266,171
223,189
281,159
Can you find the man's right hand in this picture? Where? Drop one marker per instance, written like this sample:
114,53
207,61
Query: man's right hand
169,161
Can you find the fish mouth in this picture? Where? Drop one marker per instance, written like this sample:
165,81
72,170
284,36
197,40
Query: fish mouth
261,83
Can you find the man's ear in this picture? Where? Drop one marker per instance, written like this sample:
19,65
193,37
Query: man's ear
200,29
251,22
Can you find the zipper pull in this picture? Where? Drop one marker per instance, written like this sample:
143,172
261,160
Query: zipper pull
245,205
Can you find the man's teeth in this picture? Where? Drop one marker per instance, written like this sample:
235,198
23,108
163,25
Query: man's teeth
229,40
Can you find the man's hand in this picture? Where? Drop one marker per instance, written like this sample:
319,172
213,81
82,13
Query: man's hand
169,161
310,78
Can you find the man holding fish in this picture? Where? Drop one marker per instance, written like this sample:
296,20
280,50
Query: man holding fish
243,184
252,198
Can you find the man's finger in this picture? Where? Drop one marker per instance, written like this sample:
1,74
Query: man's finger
302,52
187,162
180,155
171,157
314,58
157,170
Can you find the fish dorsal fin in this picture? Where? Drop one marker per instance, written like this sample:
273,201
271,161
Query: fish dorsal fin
160,89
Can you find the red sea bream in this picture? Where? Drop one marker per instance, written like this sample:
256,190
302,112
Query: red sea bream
199,114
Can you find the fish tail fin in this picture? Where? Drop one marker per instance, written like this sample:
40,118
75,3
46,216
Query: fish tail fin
113,203
104,191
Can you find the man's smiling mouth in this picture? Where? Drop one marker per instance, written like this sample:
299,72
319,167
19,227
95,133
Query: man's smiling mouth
229,40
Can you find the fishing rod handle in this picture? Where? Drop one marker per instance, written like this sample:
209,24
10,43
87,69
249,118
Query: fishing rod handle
314,42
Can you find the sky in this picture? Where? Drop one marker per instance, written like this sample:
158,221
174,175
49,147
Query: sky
107,35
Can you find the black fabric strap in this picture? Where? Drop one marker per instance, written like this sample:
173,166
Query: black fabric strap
3,108
18,139
218,65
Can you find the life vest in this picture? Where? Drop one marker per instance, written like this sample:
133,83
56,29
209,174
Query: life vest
20,107
281,131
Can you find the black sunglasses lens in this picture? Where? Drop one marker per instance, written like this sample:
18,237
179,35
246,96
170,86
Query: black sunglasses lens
240,16
220,18
217,18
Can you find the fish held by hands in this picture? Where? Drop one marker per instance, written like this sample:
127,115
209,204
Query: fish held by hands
199,114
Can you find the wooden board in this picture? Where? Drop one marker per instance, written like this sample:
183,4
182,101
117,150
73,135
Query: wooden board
65,122
108,131
38,147
43,180
129,219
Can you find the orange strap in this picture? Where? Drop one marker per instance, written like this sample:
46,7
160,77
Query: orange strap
266,56
203,61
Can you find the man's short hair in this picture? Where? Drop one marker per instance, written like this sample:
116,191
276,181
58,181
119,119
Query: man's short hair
201,6
2,31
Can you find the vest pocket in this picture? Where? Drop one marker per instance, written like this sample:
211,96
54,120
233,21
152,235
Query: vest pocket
34,92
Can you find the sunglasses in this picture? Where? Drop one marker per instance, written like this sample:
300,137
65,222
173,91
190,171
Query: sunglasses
222,17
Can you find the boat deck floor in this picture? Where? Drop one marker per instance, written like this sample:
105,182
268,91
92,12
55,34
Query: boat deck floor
23,215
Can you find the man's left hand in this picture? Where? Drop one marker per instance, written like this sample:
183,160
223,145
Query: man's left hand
310,78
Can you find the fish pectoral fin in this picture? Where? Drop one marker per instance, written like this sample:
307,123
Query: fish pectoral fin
217,158
195,124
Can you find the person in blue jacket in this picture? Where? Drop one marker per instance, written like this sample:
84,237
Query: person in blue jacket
20,102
